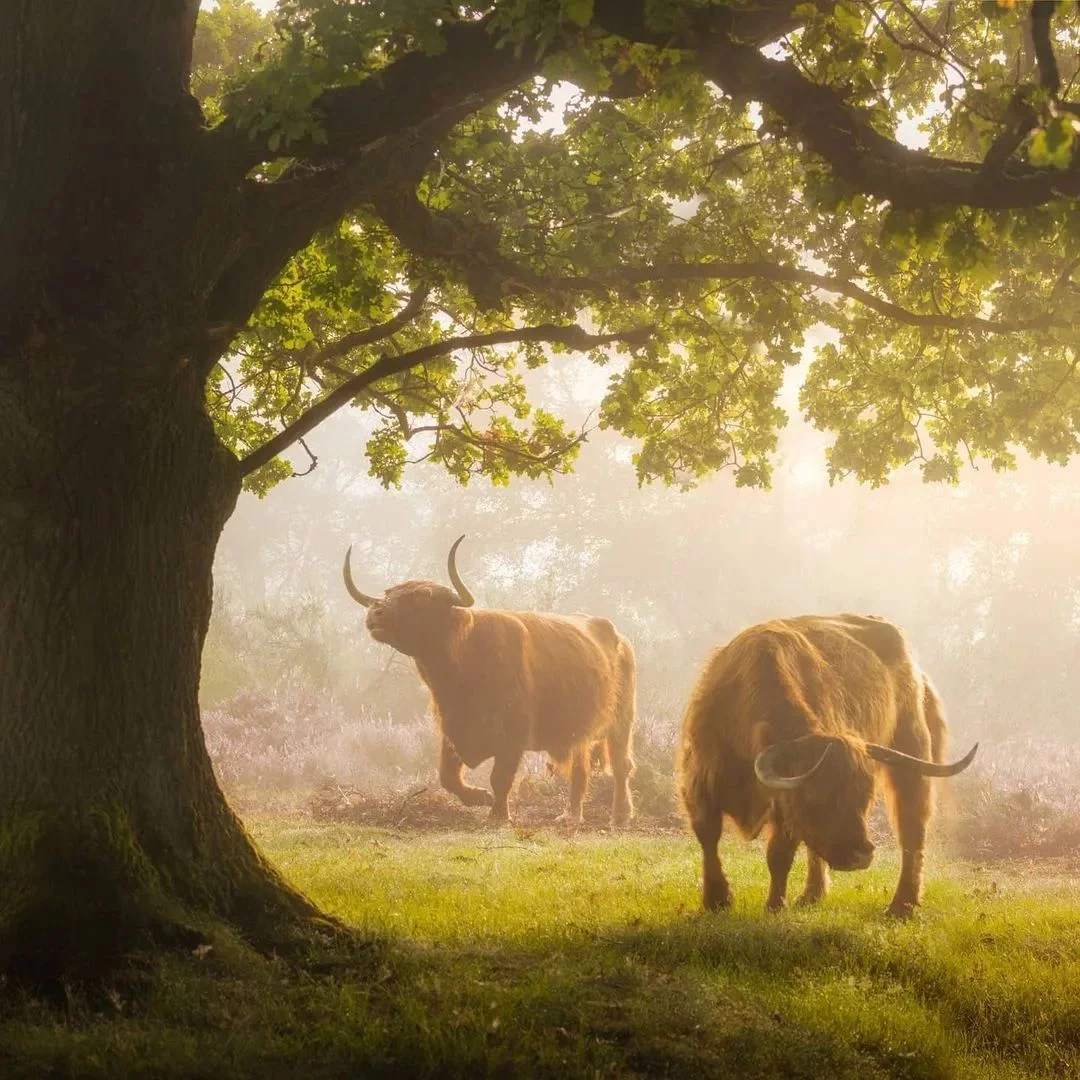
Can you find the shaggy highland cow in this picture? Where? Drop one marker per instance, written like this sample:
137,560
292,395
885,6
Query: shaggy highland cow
791,725
503,682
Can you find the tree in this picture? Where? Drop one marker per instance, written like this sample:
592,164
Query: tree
359,211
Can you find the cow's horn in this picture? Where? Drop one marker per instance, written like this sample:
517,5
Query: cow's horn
888,756
354,592
765,769
465,598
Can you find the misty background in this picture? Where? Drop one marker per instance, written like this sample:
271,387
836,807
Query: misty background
982,577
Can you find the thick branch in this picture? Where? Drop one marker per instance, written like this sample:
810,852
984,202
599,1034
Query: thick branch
571,336
472,248
283,217
380,136
778,272
401,96
867,160
1041,14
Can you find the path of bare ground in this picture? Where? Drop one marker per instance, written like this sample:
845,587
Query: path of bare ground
537,802
975,825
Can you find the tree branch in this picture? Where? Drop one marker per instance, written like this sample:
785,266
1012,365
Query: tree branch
867,160
1041,14
571,336
371,334
379,137
401,96
472,247
778,272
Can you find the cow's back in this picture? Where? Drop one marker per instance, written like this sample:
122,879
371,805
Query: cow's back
547,679
810,672
574,676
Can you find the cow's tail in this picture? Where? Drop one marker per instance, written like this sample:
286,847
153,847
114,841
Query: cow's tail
619,745
934,712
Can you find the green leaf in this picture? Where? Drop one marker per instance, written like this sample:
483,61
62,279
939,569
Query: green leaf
578,12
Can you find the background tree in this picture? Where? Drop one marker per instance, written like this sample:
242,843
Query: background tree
364,210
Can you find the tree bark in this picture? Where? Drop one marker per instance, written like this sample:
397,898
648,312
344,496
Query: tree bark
113,830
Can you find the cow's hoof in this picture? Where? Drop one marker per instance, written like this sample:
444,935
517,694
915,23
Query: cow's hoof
717,899
621,821
570,820
775,907
810,899
900,909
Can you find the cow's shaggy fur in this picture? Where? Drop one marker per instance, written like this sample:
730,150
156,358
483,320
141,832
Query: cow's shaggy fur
804,684
503,682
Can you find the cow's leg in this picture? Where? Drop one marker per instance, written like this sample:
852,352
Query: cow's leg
817,879
620,738
579,784
911,797
779,855
715,890
450,768
502,780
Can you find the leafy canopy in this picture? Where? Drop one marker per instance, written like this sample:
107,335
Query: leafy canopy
700,201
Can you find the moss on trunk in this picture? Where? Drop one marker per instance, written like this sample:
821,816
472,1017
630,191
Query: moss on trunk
113,830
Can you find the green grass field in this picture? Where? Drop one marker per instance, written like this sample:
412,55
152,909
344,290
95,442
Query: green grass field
503,954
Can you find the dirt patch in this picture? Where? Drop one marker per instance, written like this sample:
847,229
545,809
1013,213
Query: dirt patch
536,802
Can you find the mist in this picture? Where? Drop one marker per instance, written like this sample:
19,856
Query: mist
981,577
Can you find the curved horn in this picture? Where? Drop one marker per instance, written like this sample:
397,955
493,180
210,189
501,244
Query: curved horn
765,769
888,756
465,598
354,592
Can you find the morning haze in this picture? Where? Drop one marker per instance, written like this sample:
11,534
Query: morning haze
537,539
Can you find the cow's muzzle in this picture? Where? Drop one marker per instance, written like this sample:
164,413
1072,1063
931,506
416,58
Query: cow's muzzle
854,860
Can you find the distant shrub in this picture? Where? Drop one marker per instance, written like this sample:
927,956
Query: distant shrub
1022,800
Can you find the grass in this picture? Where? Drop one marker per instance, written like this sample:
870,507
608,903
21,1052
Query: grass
535,954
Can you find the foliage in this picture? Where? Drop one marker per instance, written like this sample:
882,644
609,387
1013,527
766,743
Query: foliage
588,957
604,190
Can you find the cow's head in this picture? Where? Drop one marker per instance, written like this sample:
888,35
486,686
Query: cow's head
826,784
414,615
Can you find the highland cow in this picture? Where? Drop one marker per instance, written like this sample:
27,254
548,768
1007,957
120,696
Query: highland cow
792,724
503,682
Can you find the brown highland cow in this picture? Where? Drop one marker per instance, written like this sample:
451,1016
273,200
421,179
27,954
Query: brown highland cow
791,725
503,682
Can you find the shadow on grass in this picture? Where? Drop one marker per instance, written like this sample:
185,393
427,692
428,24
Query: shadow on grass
842,994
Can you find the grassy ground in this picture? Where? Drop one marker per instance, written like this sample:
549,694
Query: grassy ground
534,954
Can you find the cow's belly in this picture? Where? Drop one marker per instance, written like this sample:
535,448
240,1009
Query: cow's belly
478,737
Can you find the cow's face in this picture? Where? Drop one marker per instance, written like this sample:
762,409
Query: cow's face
828,810
825,786
416,616
412,616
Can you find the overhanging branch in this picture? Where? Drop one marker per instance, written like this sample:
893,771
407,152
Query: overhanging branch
827,283
371,334
1041,16
868,161
571,336
401,96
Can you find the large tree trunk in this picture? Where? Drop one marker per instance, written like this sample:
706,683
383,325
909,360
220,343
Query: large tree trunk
112,826
117,219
